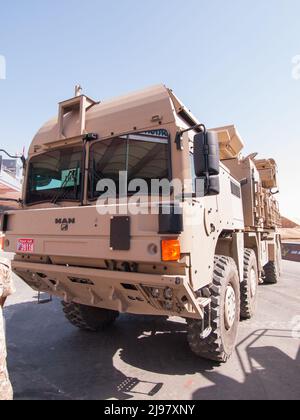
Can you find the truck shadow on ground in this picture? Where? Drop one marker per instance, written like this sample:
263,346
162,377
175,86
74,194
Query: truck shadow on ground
274,377
51,360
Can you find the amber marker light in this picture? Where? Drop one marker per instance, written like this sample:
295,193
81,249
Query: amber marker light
170,250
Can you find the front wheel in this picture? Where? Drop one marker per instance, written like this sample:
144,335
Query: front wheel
88,318
225,313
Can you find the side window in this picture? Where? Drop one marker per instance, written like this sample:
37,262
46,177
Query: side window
142,156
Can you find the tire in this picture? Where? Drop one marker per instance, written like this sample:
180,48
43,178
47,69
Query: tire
88,318
272,274
220,344
249,285
273,270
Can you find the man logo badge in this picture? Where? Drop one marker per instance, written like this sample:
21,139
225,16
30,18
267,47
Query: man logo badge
65,223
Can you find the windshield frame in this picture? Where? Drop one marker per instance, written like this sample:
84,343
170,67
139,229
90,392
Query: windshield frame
167,140
84,194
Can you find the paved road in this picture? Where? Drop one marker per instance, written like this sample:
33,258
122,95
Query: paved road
146,358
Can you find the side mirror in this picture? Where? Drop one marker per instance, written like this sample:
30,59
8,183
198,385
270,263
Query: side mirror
206,154
207,161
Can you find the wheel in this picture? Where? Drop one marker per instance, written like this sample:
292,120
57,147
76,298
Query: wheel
271,273
225,313
88,318
249,285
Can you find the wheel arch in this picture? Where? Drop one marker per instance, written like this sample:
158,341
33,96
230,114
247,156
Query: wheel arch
231,244
251,242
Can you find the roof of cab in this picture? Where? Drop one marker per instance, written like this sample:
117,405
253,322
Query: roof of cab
137,111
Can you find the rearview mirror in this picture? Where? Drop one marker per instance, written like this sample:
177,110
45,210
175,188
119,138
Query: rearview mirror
207,161
206,154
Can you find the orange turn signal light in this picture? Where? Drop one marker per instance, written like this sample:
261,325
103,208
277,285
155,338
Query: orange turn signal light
2,239
170,250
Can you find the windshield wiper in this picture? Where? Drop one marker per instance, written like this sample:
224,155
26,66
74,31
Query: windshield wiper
65,187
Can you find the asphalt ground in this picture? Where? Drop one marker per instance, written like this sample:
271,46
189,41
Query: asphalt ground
148,358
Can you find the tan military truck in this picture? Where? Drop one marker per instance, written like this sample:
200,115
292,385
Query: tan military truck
197,252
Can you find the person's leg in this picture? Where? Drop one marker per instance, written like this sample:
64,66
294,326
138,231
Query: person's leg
6,391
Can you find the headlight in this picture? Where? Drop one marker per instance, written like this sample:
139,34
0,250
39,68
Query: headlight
168,306
168,293
155,293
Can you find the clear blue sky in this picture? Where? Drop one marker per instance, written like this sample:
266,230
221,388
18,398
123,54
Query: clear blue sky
230,62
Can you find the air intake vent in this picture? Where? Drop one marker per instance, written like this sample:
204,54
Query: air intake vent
77,106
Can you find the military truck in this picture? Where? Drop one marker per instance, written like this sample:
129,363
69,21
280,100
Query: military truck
197,253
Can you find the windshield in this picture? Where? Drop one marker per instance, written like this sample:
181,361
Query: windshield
143,156
55,176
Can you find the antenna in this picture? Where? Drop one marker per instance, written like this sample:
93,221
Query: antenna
78,90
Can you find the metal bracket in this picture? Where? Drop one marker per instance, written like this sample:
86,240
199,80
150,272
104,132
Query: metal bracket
178,139
206,320
44,301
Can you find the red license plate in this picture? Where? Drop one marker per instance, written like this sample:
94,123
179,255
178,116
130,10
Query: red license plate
25,245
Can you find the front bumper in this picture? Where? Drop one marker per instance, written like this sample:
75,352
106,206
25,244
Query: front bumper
114,290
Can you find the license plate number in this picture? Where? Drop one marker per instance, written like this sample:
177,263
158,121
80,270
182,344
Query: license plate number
25,245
